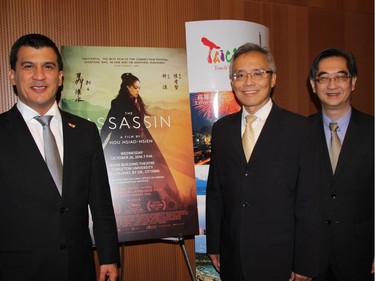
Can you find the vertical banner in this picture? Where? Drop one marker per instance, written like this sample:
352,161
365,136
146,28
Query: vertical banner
139,100
210,47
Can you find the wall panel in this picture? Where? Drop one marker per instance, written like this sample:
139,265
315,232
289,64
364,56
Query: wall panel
295,28
359,33
298,31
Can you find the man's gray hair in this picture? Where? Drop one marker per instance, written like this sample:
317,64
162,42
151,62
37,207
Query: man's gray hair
251,47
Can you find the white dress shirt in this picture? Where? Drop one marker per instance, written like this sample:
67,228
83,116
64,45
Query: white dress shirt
261,117
36,129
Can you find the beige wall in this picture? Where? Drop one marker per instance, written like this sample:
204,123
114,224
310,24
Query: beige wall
297,33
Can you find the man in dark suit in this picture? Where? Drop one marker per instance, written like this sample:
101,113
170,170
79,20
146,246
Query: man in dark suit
44,234
347,248
261,212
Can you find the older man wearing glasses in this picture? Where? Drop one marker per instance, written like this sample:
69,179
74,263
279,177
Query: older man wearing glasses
262,194
347,170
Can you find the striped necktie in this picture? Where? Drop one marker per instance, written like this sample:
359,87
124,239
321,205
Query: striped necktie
335,146
248,138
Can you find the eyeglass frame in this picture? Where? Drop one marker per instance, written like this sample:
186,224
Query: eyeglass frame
335,78
264,72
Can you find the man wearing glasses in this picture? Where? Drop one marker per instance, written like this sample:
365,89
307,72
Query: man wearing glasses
347,170
262,206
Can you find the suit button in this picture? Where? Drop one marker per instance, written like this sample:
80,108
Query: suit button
246,173
333,195
63,246
328,222
337,222
63,210
245,204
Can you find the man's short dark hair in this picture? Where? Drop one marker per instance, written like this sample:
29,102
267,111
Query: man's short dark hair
35,41
334,52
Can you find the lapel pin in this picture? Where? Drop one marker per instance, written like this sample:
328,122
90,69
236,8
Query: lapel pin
71,125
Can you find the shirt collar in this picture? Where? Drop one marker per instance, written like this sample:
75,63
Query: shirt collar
28,113
262,113
343,122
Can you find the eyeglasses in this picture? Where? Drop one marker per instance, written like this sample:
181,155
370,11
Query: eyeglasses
256,75
338,78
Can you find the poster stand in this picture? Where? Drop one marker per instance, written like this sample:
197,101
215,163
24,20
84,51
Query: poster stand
180,239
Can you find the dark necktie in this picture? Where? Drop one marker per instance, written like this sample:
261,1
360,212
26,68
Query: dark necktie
248,138
51,152
335,145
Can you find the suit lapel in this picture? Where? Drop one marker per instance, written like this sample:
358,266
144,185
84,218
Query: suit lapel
270,129
352,135
234,131
318,123
69,135
22,136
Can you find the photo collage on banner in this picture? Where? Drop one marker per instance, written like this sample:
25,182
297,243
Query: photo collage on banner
210,46
139,100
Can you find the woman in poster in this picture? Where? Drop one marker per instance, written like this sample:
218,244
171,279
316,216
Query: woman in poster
139,175
126,115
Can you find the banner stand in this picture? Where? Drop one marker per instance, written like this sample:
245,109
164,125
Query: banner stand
181,241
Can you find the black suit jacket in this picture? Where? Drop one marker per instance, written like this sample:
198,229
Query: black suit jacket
261,216
45,236
348,198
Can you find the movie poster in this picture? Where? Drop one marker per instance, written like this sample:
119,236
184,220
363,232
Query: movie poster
210,47
139,100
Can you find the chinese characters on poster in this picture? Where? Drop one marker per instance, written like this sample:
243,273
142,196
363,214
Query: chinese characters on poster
138,98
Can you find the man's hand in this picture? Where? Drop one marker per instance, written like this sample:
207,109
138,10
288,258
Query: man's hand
373,267
298,277
108,272
215,259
